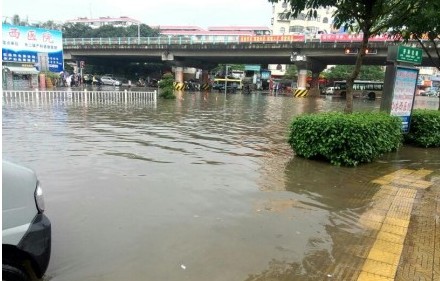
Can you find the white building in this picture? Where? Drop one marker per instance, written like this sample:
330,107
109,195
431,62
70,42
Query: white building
101,21
302,24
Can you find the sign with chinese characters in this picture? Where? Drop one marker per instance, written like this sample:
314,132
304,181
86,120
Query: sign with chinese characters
271,38
403,94
27,44
409,54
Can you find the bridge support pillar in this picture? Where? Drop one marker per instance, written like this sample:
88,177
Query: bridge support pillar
314,84
205,76
178,74
316,69
302,79
204,85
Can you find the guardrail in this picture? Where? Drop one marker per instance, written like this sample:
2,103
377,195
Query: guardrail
86,96
227,39
180,40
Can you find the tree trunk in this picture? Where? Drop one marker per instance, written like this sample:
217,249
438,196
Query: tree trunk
357,68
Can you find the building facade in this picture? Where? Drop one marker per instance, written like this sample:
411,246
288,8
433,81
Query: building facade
311,27
282,23
101,21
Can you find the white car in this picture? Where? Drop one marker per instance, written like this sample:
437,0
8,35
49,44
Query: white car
26,231
107,80
330,90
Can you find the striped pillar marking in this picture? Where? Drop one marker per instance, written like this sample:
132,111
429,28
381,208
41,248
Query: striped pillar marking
179,86
300,93
205,86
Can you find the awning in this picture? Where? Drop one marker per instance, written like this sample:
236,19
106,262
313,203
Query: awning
21,70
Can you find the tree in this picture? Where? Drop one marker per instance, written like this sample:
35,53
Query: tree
291,72
50,25
369,17
423,25
77,30
166,86
17,21
367,72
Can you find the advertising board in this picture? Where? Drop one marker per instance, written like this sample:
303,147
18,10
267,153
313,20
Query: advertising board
403,94
27,44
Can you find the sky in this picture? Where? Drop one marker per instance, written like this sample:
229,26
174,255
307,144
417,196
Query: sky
202,13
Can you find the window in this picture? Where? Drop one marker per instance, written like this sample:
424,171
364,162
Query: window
282,16
284,5
296,28
282,30
312,29
325,20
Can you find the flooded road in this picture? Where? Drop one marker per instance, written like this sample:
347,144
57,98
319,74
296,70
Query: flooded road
198,188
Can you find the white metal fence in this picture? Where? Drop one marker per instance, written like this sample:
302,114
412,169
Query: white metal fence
11,96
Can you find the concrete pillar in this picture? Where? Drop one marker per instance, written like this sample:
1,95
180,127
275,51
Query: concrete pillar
205,76
178,74
204,82
316,68
302,79
314,84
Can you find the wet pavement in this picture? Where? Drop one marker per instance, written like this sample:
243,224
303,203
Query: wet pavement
206,188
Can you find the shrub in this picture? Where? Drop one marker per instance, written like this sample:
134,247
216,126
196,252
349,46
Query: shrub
345,139
424,128
166,86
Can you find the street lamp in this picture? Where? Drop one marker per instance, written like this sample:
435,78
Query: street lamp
139,32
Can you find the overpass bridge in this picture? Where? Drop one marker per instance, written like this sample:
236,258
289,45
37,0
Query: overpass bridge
196,52
205,53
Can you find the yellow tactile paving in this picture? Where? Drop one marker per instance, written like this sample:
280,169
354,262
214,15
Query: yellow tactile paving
406,193
391,237
422,184
391,215
379,268
385,257
422,173
396,221
367,276
389,247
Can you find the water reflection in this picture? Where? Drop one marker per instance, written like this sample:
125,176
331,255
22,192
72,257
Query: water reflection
203,187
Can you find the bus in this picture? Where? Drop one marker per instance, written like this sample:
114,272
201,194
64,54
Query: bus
361,89
232,84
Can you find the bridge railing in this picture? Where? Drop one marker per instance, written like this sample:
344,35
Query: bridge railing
106,97
226,39
168,40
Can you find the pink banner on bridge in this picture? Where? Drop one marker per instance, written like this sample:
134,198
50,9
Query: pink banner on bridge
273,38
345,37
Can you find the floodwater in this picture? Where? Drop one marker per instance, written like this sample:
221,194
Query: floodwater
203,187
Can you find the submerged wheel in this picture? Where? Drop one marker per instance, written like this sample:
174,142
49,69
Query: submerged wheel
372,96
343,95
12,273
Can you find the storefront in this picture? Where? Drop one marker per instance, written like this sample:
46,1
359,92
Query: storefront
19,76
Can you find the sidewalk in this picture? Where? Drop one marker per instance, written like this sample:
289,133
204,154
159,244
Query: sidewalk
402,241
420,259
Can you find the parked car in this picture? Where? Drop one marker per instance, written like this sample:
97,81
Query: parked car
107,80
26,231
91,79
431,93
329,90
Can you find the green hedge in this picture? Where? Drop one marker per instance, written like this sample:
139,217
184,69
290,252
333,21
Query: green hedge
424,128
345,139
